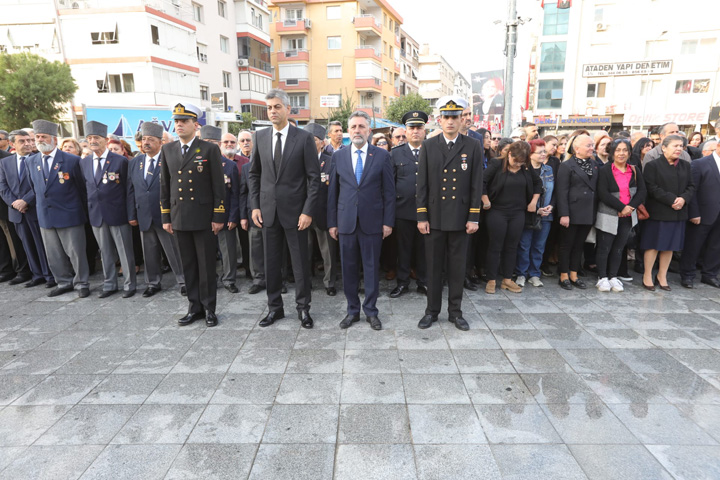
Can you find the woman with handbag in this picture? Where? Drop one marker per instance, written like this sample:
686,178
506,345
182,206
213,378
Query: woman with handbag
621,190
511,189
532,242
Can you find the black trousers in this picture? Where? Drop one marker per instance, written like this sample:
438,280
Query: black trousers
572,241
505,229
197,253
697,238
610,248
12,253
478,247
244,240
275,238
438,246
410,241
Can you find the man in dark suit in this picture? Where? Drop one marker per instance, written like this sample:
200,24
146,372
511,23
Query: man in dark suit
16,191
256,253
144,200
229,149
449,187
13,261
326,244
61,203
192,205
106,181
405,160
703,234
284,182
361,212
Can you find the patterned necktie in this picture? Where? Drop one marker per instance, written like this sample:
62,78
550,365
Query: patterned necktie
150,168
277,156
46,165
359,167
21,174
98,170
185,149
450,145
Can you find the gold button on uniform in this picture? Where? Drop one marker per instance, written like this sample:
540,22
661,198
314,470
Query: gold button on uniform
192,189
453,197
444,189
444,179
443,198
445,171
454,170
192,198
454,180
453,188
180,198
179,189
190,180
179,180
189,171
179,172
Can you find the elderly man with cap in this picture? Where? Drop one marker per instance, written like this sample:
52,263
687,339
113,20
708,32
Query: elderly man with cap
60,196
144,200
449,187
410,242
192,205
326,244
229,149
227,238
106,182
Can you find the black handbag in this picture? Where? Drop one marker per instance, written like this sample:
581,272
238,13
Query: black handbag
533,221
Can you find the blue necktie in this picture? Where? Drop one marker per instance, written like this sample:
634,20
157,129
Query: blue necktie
151,168
46,166
359,167
22,168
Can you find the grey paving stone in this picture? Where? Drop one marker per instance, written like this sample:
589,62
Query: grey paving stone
293,462
482,361
570,338
23,425
672,338
553,321
60,390
493,388
159,424
591,423
76,340
593,360
52,462
310,388
20,340
249,388
123,389
516,423
699,361
624,388
371,361
88,425
707,416
358,339
205,361
427,361
38,362
474,339
221,340
381,462
536,306
559,388
374,424
185,388
372,388
485,305
93,362
416,339
9,454
581,306
151,360
685,388
507,321
435,389
261,361
689,462
320,339
619,338
459,462
536,462
537,361
13,386
604,321
123,339
445,424
302,424
272,338
660,425
164,339
650,360
131,462
516,339
212,462
629,462
315,361
226,424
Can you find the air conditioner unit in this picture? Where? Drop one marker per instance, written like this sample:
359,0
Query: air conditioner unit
243,62
294,110
601,27
369,95
308,23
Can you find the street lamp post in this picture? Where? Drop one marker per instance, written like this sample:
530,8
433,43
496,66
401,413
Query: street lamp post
510,48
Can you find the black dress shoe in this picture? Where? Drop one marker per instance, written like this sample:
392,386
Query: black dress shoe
128,293
183,291
283,289
51,284
475,279
59,291
349,320
662,287
20,279
374,322
7,277
107,293
271,317
190,318
150,291
579,284
713,282
399,290
211,319
331,291
84,292
255,289
231,288
306,320
427,321
565,284
34,283
460,323
422,289
686,283
470,285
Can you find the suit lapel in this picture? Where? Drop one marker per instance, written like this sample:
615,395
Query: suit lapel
714,168
368,161
54,169
581,173
13,177
289,145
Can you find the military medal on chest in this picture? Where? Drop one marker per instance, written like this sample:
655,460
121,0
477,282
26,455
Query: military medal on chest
61,177
464,164
105,177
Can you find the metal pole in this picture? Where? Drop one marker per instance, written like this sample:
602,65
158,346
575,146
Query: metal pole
511,43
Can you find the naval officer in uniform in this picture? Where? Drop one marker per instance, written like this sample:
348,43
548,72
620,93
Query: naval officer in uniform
192,205
449,187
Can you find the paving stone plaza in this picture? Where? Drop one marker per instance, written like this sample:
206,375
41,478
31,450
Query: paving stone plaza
547,384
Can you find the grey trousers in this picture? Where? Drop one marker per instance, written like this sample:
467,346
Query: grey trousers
257,255
115,240
328,250
152,241
228,249
65,249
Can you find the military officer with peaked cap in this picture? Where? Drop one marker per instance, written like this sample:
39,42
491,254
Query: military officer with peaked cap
405,160
192,205
449,187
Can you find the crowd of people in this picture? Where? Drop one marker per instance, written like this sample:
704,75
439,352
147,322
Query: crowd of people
459,206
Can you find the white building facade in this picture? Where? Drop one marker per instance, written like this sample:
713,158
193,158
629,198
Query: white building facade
437,77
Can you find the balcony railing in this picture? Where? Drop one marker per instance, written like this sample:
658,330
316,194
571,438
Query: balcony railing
371,108
298,54
293,25
366,51
364,83
364,21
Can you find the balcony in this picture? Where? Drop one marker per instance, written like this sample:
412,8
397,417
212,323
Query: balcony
397,66
293,26
397,41
293,55
367,24
368,83
294,84
368,51
299,113
370,110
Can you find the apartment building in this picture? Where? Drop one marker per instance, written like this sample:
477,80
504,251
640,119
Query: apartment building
462,88
409,64
437,77
323,51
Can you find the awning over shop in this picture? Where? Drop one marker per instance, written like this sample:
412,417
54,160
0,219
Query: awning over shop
384,123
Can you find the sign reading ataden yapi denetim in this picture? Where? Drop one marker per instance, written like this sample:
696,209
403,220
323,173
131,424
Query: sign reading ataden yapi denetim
617,69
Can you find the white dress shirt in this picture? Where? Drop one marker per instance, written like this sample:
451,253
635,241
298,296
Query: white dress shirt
48,164
283,138
147,163
447,140
101,160
364,150
18,162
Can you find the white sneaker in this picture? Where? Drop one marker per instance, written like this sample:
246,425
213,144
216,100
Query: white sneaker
603,285
535,282
520,281
616,285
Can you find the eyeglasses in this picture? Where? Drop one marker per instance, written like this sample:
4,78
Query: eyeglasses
496,139
399,136
381,142
244,140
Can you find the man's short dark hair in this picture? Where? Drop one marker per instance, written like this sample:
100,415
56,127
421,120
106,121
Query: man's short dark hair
334,123
622,134
15,133
4,134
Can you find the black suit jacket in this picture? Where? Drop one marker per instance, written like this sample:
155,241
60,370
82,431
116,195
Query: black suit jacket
607,186
144,195
293,189
494,181
320,213
243,204
576,196
664,184
706,201
3,205
406,168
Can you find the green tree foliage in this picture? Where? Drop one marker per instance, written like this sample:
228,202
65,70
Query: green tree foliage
31,88
246,124
397,107
341,114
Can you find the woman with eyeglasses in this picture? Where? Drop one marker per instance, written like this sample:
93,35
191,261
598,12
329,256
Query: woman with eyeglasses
381,140
494,140
621,190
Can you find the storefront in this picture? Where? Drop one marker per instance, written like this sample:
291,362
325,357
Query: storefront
557,125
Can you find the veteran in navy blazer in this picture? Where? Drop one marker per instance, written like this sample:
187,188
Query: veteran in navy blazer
17,192
61,204
361,212
144,201
106,180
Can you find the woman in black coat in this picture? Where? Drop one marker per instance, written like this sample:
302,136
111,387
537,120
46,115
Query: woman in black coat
670,188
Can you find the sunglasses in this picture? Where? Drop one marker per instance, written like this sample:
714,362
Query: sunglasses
244,140
496,138
381,142
399,136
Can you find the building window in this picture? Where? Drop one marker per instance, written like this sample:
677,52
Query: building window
334,43
227,79
654,87
197,12
596,90
222,9
293,72
296,43
552,57
204,92
550,93
294,14
122,83
257,53
692,86
298,101
224,44
555,20
694,46
333,13
100,38
155,33
202,53
334,70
